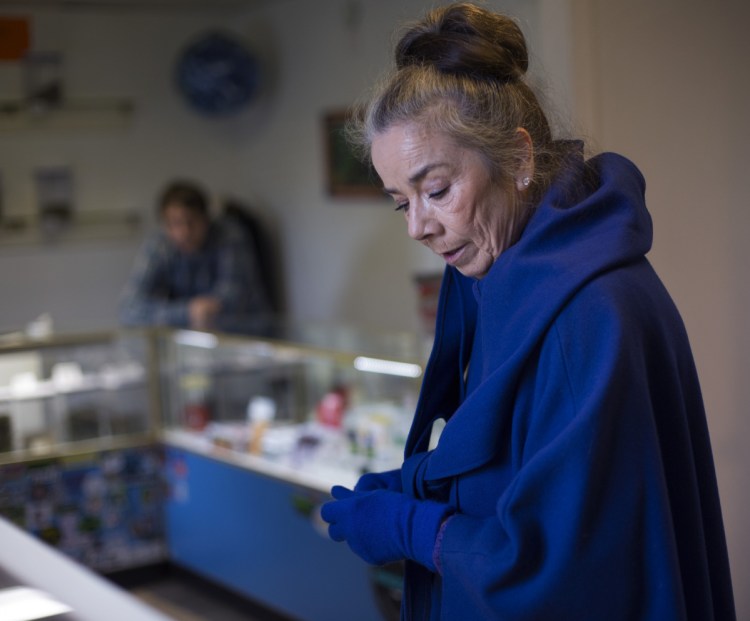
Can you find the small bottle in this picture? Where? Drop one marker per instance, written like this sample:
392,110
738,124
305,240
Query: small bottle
332,407
260,412
197,409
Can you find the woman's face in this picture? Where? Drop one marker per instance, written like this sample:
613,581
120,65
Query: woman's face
451,203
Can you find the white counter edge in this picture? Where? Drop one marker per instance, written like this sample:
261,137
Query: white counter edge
315,477
37,565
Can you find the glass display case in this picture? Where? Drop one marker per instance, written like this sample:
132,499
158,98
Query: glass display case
61,395
316,405
211,451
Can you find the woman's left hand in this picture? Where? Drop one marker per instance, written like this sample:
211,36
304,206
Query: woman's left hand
382,526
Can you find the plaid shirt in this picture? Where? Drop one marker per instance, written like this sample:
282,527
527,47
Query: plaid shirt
164,280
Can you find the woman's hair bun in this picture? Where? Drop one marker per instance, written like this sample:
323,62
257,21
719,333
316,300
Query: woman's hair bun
464,39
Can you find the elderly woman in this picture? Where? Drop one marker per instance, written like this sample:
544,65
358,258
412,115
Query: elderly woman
574,478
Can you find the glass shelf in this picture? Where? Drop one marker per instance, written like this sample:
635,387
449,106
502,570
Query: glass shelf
72,114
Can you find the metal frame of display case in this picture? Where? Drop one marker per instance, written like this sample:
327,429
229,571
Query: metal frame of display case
53,395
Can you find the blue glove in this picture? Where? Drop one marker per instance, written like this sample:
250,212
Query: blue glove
382,526
390,479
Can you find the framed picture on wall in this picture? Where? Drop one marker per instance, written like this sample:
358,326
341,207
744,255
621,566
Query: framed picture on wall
347,175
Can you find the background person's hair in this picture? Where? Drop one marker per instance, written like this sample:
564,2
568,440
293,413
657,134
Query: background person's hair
186,194
461,71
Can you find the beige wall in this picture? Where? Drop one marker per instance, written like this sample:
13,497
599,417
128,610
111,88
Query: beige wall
667,84
344,260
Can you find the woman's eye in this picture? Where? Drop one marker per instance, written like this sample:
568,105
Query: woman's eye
402,206
439,193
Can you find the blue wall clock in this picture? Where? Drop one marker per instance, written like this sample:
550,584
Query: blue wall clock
217,74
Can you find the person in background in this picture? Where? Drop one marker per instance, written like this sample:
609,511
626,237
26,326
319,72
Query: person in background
194,272
574,478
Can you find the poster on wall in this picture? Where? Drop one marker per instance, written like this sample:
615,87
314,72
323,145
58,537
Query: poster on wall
348,176
43,83
54,192
15,37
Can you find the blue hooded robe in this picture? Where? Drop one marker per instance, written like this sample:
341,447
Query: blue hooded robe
576,452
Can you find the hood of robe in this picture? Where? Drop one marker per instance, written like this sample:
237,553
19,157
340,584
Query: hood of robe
592,220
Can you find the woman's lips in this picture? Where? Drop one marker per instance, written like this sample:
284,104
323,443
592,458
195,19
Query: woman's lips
452,256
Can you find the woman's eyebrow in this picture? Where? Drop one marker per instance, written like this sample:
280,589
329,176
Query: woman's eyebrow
418,175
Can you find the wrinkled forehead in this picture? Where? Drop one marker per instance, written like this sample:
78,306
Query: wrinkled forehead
405,145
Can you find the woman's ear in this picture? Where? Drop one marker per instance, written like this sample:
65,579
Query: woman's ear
525,171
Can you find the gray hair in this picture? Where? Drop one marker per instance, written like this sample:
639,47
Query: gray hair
460,71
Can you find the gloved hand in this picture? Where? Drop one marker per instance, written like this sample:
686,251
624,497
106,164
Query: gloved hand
383,526
390,479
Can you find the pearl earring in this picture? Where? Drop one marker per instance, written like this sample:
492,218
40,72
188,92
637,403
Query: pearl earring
526,181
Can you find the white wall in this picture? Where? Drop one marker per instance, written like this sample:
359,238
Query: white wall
666,83
344,260
107,54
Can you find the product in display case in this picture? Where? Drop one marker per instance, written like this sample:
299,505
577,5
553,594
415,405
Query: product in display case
6,440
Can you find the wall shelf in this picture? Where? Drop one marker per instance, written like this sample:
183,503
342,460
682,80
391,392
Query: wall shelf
81,226
71,114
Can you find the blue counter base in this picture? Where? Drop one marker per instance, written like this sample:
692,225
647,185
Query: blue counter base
260,537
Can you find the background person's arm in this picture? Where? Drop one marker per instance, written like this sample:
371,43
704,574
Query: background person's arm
144,300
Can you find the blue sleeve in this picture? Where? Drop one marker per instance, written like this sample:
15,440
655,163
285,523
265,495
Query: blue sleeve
144,299
583,530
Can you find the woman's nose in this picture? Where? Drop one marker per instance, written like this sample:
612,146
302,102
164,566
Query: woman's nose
418,220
